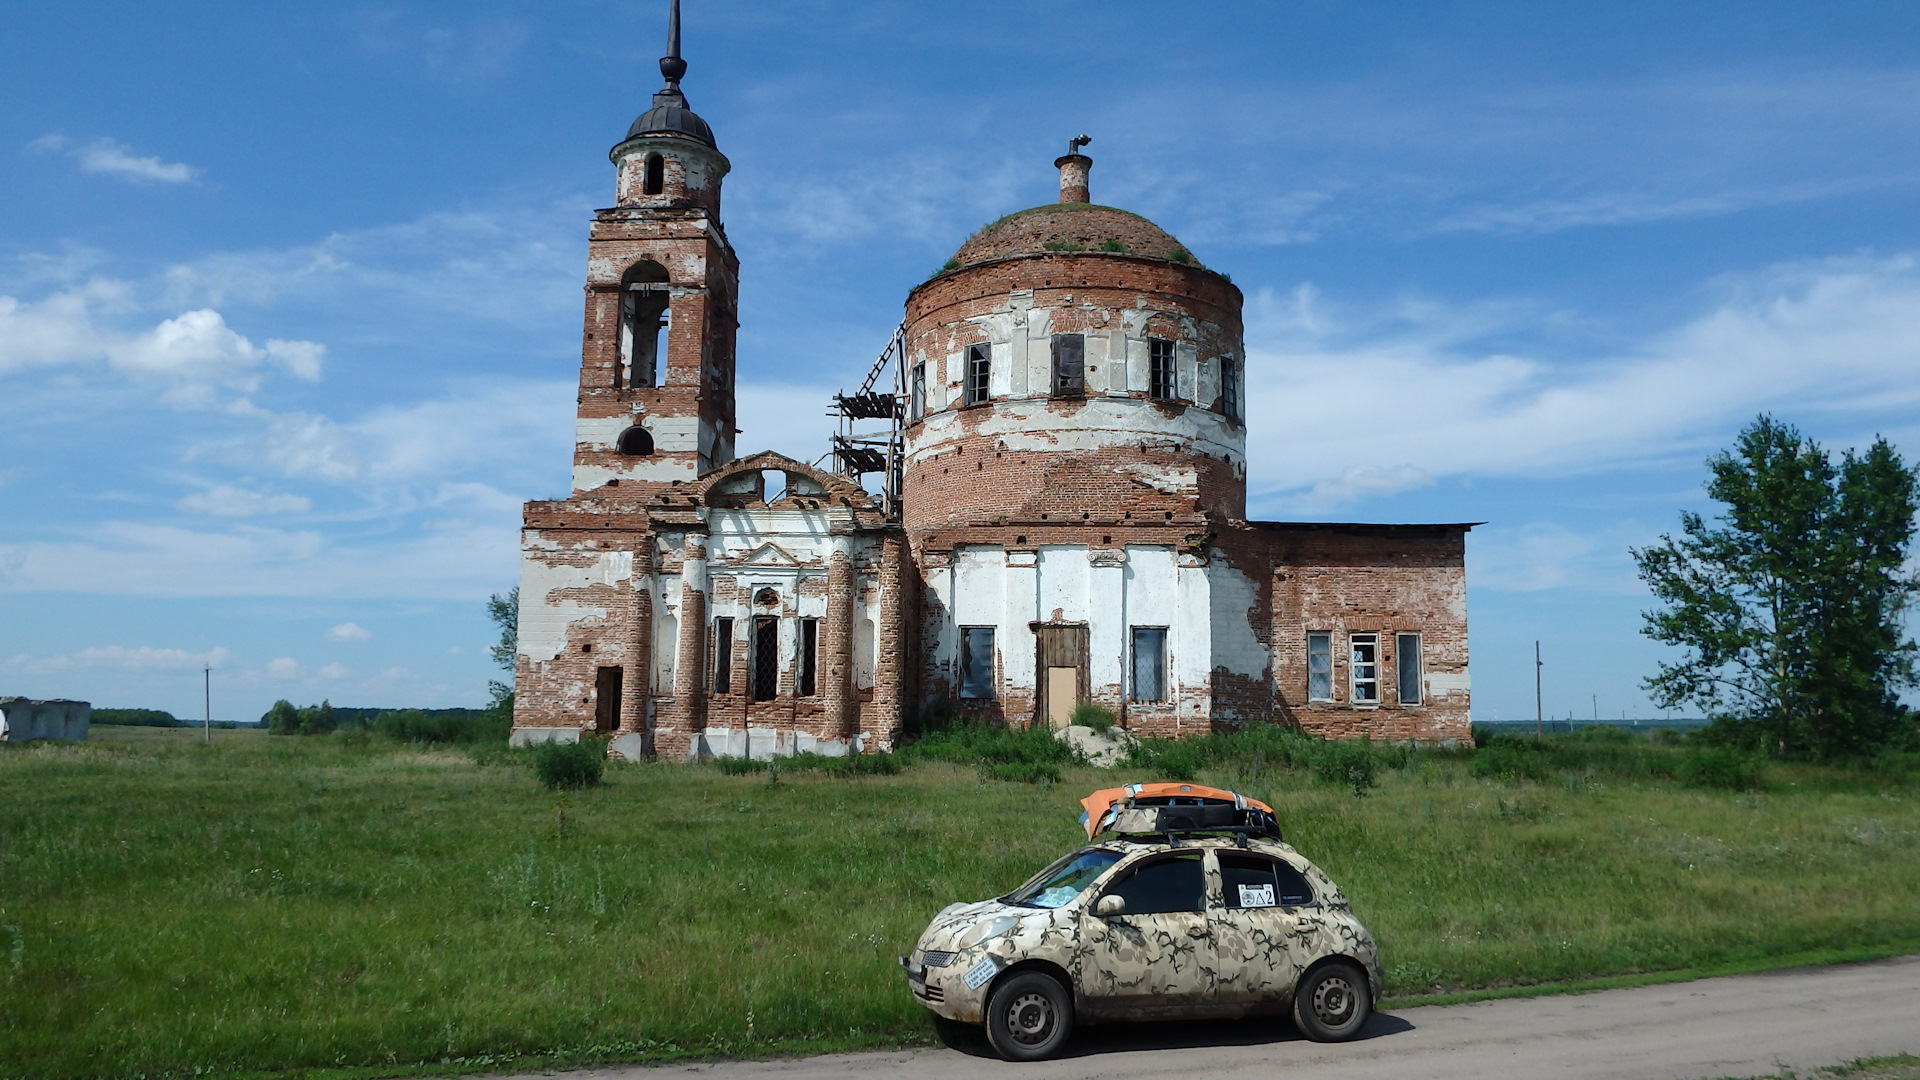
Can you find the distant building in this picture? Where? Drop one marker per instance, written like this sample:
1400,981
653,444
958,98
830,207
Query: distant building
24,719
1062,520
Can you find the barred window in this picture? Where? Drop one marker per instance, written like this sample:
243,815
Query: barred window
1069,365
1149,663
1319,667
1230,387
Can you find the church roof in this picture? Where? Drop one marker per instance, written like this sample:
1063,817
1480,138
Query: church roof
670,114
1069,227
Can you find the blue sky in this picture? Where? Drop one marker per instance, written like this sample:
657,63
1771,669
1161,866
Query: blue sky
290,296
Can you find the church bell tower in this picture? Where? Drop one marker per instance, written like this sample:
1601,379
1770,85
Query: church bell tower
657,363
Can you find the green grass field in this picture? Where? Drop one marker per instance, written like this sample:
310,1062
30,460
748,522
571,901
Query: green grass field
293,905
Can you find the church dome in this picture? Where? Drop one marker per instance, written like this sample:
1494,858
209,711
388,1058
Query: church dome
1068,227
672,119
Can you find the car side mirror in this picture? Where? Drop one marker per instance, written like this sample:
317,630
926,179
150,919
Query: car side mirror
1111,905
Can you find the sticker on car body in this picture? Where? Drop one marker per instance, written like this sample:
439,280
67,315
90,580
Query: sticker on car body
979,974
1256,896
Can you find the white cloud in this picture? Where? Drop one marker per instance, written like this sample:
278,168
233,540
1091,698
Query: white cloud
193,354
119,657
1345,406
334,671
284,668
347,631
225,500
1544,555
396,673
115,158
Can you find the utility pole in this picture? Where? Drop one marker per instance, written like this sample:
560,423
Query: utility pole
207,685
1539,724
1596,708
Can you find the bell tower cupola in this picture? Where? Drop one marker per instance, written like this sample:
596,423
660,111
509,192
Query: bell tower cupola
657,359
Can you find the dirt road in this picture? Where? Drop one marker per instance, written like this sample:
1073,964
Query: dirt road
1742,1025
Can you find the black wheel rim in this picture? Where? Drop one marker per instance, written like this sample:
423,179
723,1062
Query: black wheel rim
1030,1019
1335,1000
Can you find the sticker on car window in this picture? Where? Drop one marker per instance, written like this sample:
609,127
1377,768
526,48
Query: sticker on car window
1256,895
979,974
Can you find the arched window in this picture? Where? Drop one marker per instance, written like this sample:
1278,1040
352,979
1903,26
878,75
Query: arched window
643,314
635,442
656,179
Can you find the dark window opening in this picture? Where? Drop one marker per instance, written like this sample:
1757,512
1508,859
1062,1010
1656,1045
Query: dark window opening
1251,881
656,181
917,393
1162,383
606,699
1163,886
1406,664
1230,387
636,441
979,373
1149,663
809,656
766,657
723,656
976,662
1069,365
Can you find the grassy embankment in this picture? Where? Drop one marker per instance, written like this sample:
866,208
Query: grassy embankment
263,903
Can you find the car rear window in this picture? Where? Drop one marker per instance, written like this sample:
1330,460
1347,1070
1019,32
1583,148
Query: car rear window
1165,885
1255,881
1057,885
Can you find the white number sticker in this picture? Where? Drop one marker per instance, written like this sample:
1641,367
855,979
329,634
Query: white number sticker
1256,896
981,973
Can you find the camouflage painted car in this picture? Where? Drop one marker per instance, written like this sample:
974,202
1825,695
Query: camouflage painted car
1193,908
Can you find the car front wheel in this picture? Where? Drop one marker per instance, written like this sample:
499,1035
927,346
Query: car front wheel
1029,1017
1332,1003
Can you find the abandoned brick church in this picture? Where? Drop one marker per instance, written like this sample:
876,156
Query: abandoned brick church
1062,513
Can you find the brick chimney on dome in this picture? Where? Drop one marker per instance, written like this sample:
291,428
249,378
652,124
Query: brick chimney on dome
1074,168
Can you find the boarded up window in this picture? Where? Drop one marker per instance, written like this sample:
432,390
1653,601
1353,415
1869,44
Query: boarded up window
1069,365
1319,667
979,373
723,656
1406,667
1161,382
976,662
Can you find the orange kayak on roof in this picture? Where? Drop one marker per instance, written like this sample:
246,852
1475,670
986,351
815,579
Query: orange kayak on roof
1100,803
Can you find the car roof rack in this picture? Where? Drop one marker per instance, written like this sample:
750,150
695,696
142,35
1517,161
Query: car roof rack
1175,810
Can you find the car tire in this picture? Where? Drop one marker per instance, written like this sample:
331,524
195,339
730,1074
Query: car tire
1332,1003
1029,1017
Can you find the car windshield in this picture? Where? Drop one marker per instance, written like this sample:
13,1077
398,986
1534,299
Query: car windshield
1057,885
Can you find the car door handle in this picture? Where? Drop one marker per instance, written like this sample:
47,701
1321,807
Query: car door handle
1197,931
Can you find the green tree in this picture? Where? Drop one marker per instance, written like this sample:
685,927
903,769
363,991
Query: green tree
317,719
504,612
283,718
1789,605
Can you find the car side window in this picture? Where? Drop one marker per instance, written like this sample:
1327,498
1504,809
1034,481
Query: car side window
1164,885
1255,881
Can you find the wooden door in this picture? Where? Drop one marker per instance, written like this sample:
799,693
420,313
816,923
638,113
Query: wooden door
1062,673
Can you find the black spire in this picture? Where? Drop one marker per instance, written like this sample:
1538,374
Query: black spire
670,115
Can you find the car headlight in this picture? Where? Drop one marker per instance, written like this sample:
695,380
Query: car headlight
987,931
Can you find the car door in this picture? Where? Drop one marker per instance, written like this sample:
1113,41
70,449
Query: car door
1156,957
1254,927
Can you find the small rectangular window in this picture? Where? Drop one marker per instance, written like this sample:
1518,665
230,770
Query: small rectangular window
1069,365
809,656
917,393
976,662
1149,663
723,656
979,374
1363,669
1406,668
1319,667
1230,387
1162,384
